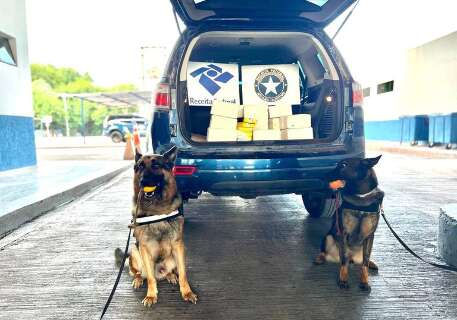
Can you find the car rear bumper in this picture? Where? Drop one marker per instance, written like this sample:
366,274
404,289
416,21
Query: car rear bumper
253,177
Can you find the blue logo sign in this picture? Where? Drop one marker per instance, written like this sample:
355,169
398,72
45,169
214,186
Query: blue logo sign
210,75
270,85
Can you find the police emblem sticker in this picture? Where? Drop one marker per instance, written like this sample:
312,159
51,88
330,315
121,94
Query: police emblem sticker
270,85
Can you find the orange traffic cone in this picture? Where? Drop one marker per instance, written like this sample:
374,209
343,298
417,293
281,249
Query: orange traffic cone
128,151
136,140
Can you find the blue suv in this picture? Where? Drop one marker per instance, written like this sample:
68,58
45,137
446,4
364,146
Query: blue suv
116,126
261,32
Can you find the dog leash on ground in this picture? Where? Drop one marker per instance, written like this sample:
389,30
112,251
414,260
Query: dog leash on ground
135,223
437,265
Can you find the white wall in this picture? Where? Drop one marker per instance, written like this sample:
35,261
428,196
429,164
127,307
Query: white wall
431,77
425,81
15,82
376,38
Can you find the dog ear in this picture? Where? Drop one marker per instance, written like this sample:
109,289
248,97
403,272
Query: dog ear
137,156
371,162
170,155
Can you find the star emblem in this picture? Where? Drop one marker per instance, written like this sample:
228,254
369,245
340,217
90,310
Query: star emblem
270,85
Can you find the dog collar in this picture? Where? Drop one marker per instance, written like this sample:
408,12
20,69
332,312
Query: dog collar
157,218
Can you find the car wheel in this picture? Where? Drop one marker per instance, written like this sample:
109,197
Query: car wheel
116,137
319,205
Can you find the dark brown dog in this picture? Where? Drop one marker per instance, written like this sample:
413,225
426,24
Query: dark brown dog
350,238
159,251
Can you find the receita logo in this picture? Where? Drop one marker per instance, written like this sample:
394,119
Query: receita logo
210,75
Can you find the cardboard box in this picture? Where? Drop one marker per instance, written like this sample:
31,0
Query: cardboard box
224,109
274,124
218,122
297,121
261,122
253,111
221,135
240,111
267,135
280,110
297,134
259,113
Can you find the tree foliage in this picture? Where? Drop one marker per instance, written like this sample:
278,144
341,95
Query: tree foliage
48,82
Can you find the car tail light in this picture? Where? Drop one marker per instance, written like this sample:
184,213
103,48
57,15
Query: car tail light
162,98
184,170
357,95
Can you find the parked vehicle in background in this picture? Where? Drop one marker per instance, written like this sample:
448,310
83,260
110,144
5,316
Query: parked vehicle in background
251,33
116,126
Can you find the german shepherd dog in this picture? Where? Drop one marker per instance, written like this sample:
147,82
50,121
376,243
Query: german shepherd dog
159,250
350,239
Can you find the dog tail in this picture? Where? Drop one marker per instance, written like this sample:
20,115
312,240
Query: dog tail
119,256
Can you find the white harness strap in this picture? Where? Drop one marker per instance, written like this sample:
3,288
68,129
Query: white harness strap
157,218
368,193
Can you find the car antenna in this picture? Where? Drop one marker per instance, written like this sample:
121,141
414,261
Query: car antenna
177,22
344,21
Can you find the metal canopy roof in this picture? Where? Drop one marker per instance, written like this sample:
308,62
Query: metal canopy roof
117,99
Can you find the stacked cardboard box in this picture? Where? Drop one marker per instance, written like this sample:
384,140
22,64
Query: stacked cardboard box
292,127
259,114
223,123
259,122
296,127
267,135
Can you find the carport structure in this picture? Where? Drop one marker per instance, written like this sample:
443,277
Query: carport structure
116,99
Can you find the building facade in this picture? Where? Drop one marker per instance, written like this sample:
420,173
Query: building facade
422,81
17,146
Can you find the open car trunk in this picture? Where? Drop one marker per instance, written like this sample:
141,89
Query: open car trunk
318,90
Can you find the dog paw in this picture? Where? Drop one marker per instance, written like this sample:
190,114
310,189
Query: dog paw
343,284
149,301
365,287
190,296
372,266
172,278
320,259
137,283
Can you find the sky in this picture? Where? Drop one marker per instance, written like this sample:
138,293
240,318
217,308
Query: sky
104,37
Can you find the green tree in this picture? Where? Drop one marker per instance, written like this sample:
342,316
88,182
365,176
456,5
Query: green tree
50,81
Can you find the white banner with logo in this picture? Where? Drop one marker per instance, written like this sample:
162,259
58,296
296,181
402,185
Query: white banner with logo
271,84
207,81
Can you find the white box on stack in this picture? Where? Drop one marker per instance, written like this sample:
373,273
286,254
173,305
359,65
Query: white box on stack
297,134
279,110
215,135
267,135
224,109
218,122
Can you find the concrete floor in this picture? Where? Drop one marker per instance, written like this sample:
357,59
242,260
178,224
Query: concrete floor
247,259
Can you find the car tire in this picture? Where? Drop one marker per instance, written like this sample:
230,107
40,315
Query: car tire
116,137
319,205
